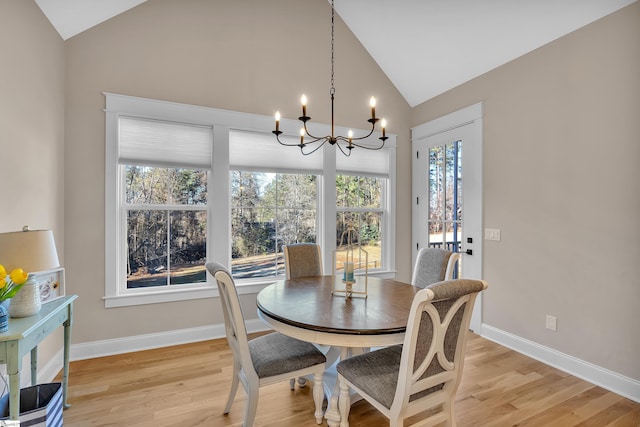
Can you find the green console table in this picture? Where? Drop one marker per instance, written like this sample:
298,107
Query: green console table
24,334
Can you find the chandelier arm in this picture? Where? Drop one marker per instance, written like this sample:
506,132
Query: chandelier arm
367,147
314,150
347,139
350,140
316,138
342,138
346,153
286,144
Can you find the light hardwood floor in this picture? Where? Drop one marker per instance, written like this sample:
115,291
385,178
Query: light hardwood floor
187,385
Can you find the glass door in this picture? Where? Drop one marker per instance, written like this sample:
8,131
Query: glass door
447,189
444,220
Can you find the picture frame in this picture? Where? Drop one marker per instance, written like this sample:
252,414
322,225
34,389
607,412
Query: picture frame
51,284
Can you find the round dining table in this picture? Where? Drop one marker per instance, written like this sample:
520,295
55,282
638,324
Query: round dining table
309,309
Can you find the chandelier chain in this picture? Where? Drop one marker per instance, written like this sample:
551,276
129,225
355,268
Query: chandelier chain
333,88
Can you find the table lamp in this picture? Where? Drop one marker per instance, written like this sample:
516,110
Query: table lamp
33,251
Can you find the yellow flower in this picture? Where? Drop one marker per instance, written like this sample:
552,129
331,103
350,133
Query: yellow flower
10,284
18,276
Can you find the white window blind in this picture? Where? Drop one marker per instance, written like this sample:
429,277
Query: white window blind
364,162
260,151
165,144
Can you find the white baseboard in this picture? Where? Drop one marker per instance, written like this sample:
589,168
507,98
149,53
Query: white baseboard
163,339
103,348
604,378
612,381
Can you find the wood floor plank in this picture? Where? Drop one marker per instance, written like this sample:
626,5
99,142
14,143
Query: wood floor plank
566,412
188,385
631,418
604,411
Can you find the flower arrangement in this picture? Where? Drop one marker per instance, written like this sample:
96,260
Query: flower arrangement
12,283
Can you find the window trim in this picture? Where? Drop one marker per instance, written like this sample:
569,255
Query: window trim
222,122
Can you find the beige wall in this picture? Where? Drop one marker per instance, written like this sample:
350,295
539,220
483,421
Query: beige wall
250,56
32,89
561,174
560,151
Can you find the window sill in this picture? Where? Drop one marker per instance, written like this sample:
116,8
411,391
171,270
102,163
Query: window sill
173,295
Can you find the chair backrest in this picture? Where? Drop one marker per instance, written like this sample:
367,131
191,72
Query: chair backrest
233,317
302,260
435,341
433,265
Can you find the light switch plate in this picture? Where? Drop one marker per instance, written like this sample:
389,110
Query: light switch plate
492,234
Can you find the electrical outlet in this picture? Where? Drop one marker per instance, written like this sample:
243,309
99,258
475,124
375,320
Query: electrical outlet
492,234
552,323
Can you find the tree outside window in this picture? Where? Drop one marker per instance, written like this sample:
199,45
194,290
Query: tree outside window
166,214
359,203
445,196
268,211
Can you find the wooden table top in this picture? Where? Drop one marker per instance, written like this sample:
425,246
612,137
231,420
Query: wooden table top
308,303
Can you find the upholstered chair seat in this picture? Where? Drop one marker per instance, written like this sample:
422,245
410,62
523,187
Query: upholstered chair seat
276,354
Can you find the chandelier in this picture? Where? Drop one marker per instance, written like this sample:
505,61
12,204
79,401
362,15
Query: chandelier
344,143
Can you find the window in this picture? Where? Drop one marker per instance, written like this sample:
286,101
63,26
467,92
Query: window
274,202
163,169
187,184
268,211
445,196
157,207
360,207
361,190
166,231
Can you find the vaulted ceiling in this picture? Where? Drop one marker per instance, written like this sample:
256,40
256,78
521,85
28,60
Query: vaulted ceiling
425,47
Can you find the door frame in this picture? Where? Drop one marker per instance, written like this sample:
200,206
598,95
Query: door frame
471,115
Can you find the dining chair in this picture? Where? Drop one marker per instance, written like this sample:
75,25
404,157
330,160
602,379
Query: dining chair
434,265
302,260
264,360
424,372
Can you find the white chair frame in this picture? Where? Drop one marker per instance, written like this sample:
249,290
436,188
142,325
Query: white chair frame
243,368
409,381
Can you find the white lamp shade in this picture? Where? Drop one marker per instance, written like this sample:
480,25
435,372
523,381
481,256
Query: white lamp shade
31,250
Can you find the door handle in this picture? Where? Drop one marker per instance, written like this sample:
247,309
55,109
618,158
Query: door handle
469,252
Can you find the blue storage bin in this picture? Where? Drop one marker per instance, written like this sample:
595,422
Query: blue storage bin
40,406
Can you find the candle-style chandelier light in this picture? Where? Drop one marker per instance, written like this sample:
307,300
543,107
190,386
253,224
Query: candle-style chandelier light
344,143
